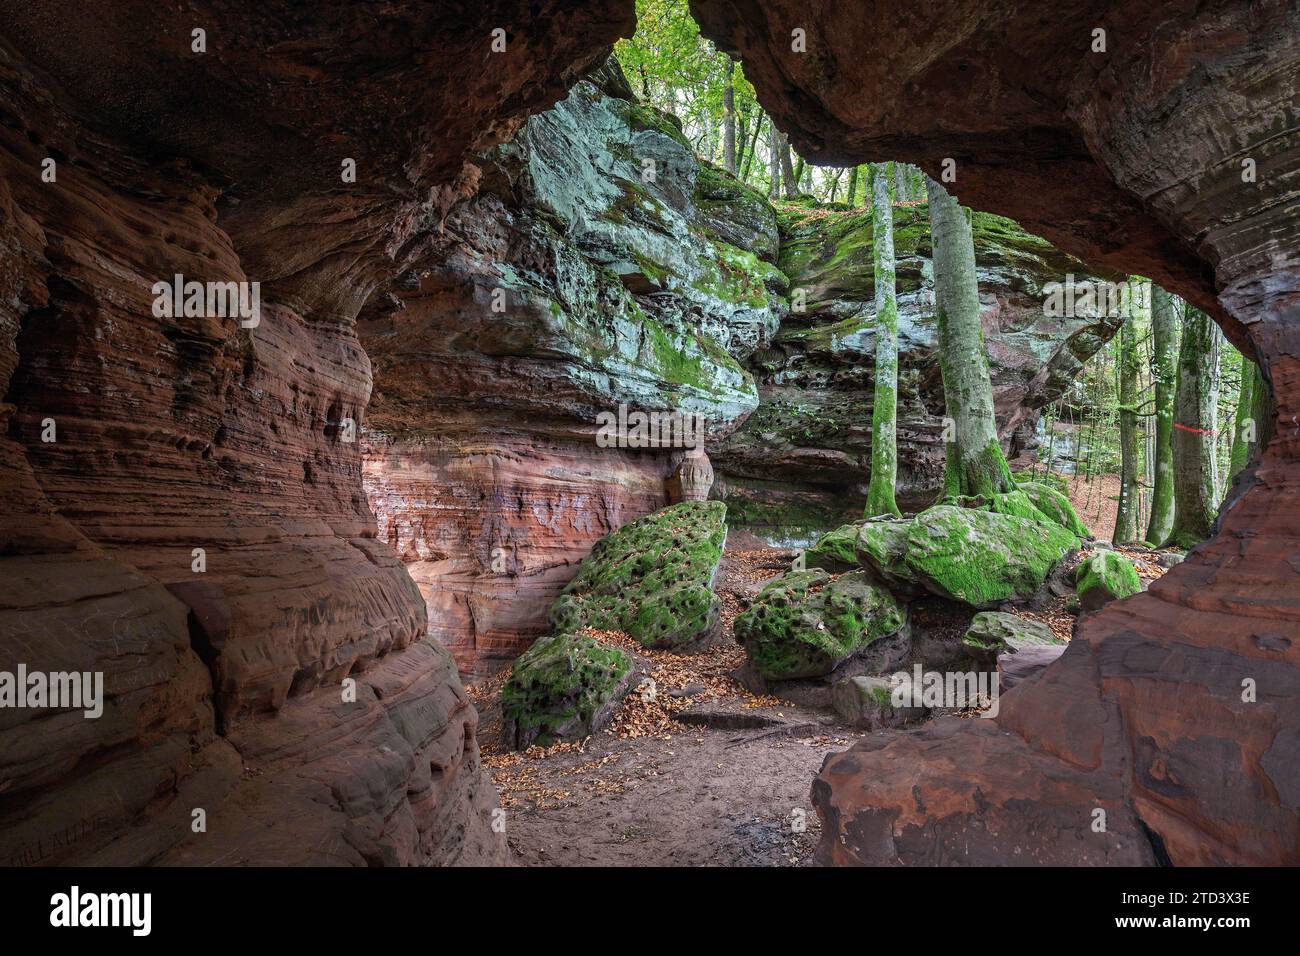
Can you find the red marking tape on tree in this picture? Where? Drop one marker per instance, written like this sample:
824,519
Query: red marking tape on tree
1197,431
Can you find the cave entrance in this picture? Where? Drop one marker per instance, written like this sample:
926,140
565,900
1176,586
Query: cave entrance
1077,713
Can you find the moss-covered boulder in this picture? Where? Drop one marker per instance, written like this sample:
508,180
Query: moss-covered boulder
882,547
868,703
982,558
876,544
564,687
652,578
1055,506
836,550
1105,576
806,623
995,632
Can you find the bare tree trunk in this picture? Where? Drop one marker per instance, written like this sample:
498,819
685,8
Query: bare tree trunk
974,463
835,184
751,148
1194,493
773,159
788,178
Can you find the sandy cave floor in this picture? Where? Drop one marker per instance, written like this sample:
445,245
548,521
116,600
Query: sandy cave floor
651,790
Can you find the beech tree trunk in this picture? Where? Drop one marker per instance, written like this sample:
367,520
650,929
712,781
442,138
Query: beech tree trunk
749,146
884,407
1164,329
974,462
1126,515
1195,500
773,159
788,179
729,121
1245,428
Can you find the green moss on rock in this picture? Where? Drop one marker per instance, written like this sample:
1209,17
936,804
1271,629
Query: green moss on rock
982,557
642,117
995,632
1016,503
835,550
652,578
882,547
734,212
564,687
805,623
1105,576
1055,506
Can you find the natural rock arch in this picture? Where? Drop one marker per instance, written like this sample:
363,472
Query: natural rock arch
1131,158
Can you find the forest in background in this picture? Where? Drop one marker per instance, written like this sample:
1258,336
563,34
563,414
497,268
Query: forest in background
1169,407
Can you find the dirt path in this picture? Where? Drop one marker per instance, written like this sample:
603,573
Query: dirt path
651,790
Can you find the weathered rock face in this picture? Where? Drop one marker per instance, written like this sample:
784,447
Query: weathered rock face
802,460
1132,159
493,524
222,685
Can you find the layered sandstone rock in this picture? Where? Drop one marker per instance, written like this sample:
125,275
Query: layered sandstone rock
1174,710
225,686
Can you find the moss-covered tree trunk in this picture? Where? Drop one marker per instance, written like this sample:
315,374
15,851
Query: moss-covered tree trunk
1164,331
884,408
1126,515
1244,425
974,463
1263,412
729,120
1194,413
900,181
853,187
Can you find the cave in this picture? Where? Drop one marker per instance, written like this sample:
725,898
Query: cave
216,515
